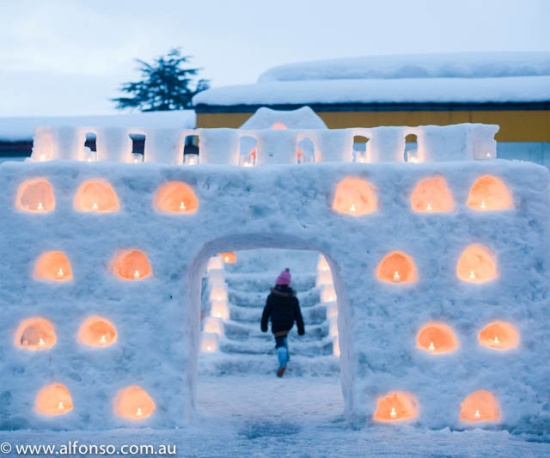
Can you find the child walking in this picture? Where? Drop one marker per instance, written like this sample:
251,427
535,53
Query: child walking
283,309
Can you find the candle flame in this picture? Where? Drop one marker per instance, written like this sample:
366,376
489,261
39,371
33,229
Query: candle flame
472,275
496,341
431,346
41,342
136,274
182,205
139,412
352,208
429,207
477,414
60,405
393,413
103,339
396,276
60,272
483,204
94,206
40,206
42,157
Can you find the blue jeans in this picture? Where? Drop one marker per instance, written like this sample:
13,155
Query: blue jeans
281,345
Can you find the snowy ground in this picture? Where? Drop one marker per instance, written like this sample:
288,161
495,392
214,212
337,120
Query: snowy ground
295,416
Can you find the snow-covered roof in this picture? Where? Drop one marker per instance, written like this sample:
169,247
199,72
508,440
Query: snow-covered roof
302,118
22,128
458,65
452,78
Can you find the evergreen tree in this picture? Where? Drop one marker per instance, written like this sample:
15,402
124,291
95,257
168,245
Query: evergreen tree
165,85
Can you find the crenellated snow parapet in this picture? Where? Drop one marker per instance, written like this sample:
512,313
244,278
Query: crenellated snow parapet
461,142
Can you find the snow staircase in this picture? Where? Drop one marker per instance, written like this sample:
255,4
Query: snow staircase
236,345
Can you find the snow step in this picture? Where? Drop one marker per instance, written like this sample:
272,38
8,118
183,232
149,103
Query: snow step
312,315
241,331
299,365
256,300
312,348
262,282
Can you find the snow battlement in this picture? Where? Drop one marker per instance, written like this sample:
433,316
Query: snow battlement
258,147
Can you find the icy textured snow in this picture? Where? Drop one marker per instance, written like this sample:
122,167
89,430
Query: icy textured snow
23,128
261,416
430,78
449,65
411,90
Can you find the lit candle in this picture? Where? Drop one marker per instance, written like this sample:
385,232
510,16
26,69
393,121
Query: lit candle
60,272
182,206
139,413
431,347
103,339
472,275
483,205
352,208
94,206
209,348
393,413
40,206
477,414
41,342
429,207
396,276
488,155
226,258
42,157
60,405
496,341
136,274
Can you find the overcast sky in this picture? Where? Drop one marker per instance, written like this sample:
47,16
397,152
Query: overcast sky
68,57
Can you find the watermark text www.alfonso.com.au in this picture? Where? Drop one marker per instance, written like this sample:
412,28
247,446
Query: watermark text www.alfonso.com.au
75,448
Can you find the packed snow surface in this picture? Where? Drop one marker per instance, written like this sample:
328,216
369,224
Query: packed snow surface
262,416
450,65
404,90
22,128
429,78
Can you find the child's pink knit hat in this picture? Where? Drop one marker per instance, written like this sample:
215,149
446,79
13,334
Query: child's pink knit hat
284,278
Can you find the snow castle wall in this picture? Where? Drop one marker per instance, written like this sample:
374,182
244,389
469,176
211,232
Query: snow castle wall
156,316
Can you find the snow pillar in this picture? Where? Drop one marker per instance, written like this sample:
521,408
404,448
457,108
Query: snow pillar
114,145
164,146
219,146
387,144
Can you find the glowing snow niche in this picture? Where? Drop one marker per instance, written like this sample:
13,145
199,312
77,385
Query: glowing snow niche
437,338
54,399
499,335
133,403
489,193
35,334
397,267
477,264
97,332
229,257
176,197
432,195
131,265
396,406
355,196
35,196
96,196
53,266
480,406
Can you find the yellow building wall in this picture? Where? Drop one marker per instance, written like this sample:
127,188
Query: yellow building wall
515,125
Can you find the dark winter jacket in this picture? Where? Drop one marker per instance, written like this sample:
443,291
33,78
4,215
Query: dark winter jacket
283,308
